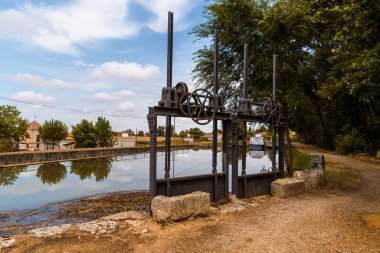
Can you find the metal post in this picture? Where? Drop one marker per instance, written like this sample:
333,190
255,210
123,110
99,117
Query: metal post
215,121
169,85
152,122
235,147
225,150
245,72
274,146
281,147
244,149
274,77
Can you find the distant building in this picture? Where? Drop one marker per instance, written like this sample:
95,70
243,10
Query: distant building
210,136
125,141
34,140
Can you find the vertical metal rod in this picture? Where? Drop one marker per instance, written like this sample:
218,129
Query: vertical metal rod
225,148
169,85
244,149
281,148
245,72
152,121
274,95
170,51
235,158
274,148
215,121
274,142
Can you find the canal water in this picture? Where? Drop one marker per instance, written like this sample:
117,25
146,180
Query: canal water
30,187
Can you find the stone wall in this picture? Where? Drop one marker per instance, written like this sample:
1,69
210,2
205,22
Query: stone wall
34,157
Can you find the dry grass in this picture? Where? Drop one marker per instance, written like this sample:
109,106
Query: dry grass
339,176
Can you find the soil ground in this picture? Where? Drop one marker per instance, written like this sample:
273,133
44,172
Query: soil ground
328,219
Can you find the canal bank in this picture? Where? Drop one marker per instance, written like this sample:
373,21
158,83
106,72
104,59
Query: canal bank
48,156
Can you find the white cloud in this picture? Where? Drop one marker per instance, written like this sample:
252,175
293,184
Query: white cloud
125,71
160,10
109,97
61,28
33,97
39,81
96,85
127,107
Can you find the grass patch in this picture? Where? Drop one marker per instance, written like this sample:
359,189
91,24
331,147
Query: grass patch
341,177
301,161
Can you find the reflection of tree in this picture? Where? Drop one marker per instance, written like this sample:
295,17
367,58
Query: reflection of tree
10,174
240,154
51,173
99,167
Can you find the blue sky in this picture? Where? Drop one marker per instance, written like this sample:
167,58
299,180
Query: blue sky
94,58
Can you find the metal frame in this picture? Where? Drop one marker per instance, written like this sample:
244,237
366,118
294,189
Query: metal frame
215,183
259,183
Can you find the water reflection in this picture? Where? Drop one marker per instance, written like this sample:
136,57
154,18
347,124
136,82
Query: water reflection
36,185
51,173
99,167
10,174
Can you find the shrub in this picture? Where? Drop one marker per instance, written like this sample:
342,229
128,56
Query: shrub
351,143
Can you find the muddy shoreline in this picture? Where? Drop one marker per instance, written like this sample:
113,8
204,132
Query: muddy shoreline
73,211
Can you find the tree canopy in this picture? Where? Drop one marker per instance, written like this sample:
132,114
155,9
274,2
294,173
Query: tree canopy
52,132
328,62
105,135
84,135
13,128
89,135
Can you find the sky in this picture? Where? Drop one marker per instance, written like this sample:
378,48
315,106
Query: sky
80,59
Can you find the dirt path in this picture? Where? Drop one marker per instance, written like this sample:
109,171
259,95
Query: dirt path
325,220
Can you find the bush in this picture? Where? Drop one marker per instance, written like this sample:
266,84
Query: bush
351,143
202,139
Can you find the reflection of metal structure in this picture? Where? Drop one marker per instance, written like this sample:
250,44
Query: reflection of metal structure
256,154
202,107
257,184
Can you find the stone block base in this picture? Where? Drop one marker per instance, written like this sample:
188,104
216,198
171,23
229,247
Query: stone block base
312,179
286,187
180,207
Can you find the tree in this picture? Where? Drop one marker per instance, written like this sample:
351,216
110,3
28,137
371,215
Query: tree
160,131
52,132
183,133
13,128
140,133
196,133
129,132
105,135
328,69
85,135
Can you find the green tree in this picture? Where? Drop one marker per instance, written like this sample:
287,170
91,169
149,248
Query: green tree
129,132
140,133
85,135
196,133
104,133
52,132
13,128
160,131
328,70
183,134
